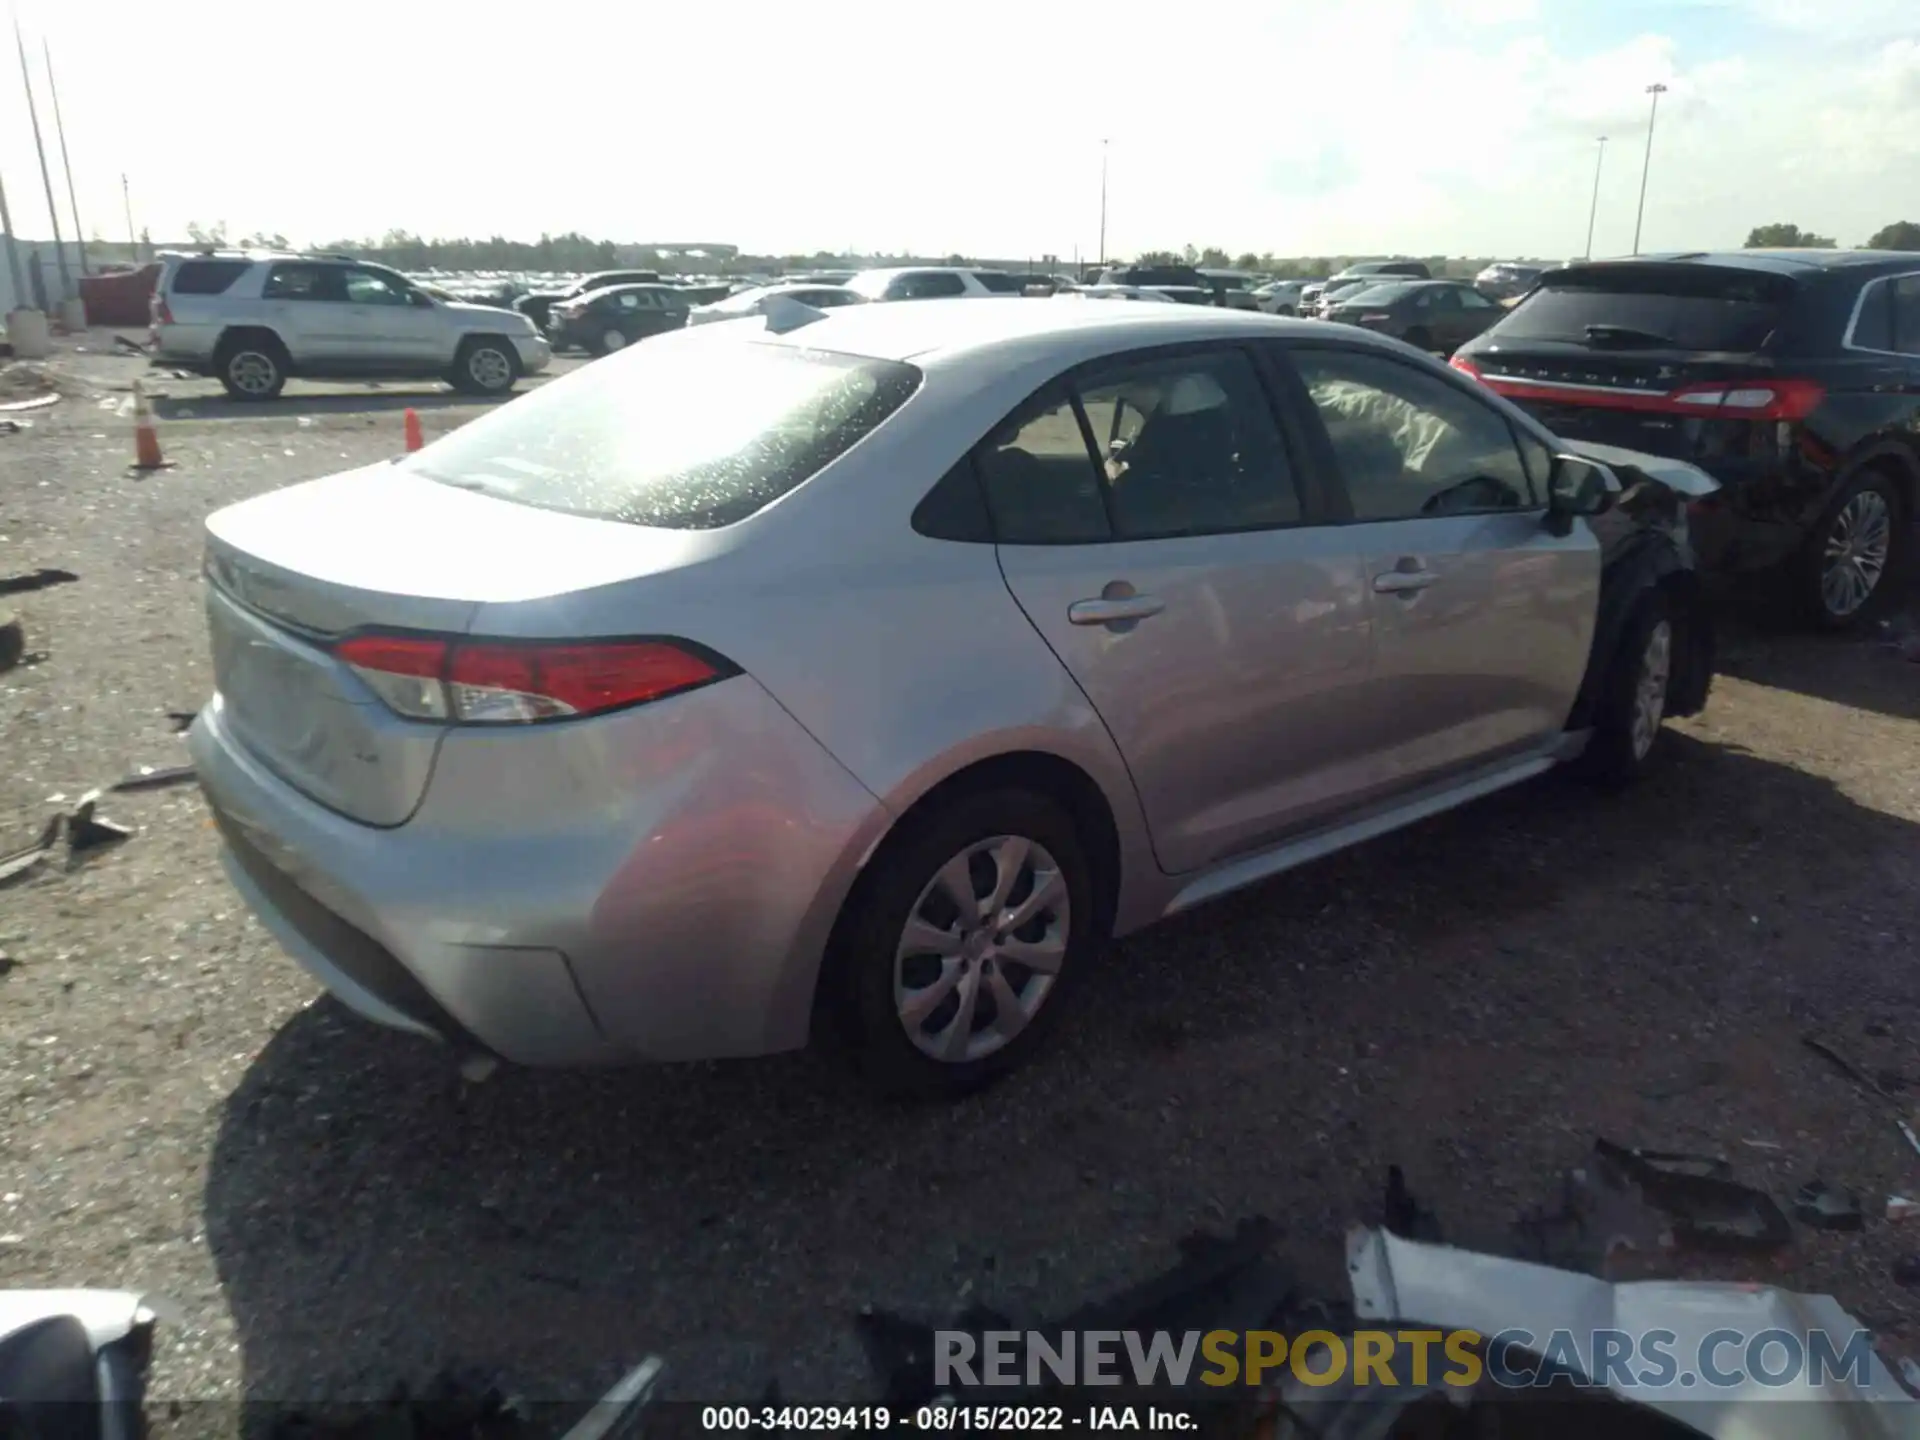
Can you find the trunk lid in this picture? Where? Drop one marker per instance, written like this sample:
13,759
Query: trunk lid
292,571
1597,352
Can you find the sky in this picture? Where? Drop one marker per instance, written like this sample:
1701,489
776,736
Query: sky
1291,127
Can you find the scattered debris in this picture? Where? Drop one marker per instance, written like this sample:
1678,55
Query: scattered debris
14,427
1763,1144
35,580
18,862
7,964
1404,1215
129,344
1899,1208
1819,1205
38,402
154,777
1710,1210
1601,1213
1402,1280
88,831
182,720
13,640
1867,1082
76,1351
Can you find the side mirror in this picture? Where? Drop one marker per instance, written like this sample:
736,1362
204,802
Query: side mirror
1577,487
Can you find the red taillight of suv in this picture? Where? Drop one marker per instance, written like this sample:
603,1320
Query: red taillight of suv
1466,367
161,314
511,682
1751,399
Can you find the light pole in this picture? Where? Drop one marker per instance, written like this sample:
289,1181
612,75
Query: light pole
1593,211
60,129
1656,91
46,175
1103,204
133,236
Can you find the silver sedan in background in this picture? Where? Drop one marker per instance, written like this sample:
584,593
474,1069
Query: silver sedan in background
880,667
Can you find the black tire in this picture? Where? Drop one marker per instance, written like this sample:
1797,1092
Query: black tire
1861,497
597,343
1619,752
869,936
251,365
496,360
1419,339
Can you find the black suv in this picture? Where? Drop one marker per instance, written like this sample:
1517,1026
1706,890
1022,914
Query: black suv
1791,376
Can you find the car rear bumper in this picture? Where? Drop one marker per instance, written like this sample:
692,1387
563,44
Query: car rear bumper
659,890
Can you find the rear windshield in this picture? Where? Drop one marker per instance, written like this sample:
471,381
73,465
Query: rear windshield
685,436
1653,308
206,277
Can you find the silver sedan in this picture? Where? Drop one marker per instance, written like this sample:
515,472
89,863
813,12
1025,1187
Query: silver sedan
877,669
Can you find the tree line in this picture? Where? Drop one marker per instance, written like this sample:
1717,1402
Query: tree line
1901,235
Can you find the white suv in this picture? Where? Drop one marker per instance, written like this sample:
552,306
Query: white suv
253,320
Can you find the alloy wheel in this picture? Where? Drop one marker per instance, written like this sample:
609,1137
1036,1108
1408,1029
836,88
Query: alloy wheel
613,340
1857,549
982,949
490,369
1650,690
252,373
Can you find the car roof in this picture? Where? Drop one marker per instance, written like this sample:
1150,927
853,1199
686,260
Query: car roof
921,270
939,331
1778,262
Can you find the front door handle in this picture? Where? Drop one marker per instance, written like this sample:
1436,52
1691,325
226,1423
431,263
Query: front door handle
1109,610
1404,582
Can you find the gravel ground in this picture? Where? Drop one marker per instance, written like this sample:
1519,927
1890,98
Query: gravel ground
1474,999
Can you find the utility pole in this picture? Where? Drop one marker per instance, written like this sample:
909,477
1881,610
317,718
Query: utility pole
46,175
1103,203
1656,91
20,296
1593,211
60,129
133,236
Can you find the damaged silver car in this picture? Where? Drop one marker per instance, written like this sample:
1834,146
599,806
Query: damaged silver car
880,668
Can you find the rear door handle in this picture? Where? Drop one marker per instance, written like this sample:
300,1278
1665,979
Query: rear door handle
1403,582
1107,611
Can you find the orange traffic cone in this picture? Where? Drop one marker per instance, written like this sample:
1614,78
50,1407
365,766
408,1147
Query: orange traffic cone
146,439
414,438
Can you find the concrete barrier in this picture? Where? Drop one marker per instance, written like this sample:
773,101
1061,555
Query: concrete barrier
27,332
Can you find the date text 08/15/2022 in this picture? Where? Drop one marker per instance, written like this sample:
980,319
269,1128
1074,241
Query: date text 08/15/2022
946,1419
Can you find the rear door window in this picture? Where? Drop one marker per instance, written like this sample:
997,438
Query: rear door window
207,277
295,281
1040,482
1654,307
998,283
679,436
370,287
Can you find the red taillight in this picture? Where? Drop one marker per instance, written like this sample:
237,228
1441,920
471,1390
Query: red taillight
505,682
1465,366
162,315
1751,399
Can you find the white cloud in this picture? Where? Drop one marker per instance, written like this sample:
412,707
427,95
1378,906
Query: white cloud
1457,127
